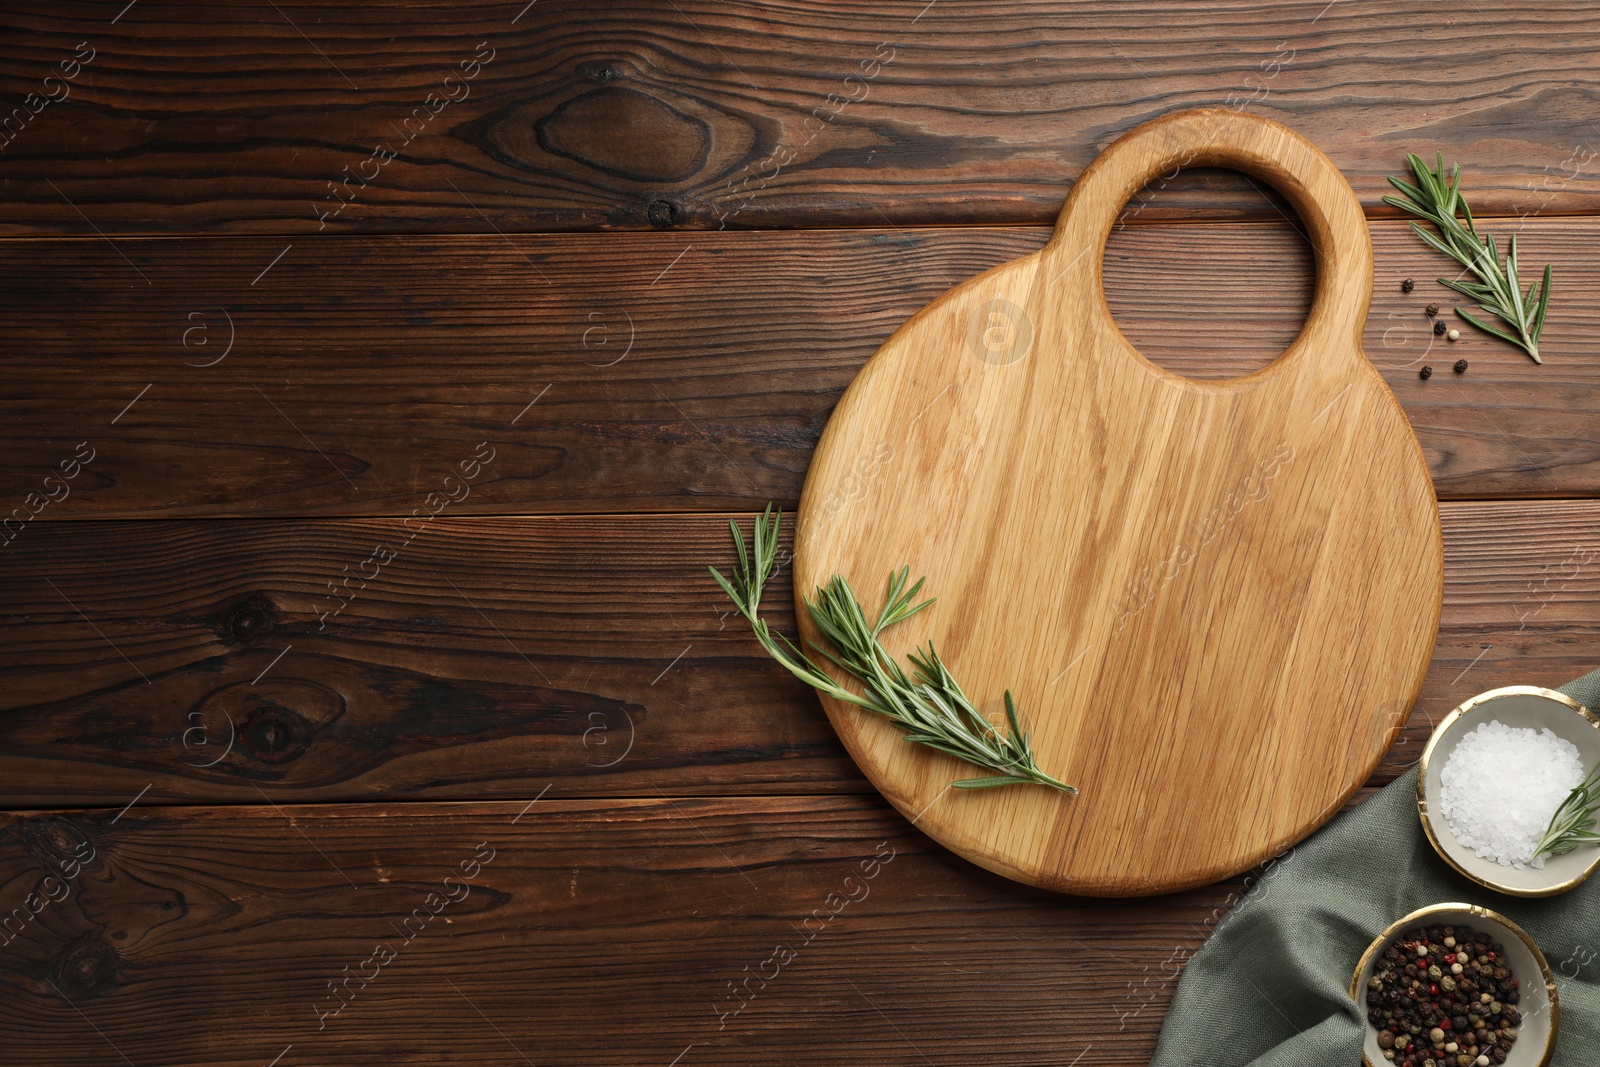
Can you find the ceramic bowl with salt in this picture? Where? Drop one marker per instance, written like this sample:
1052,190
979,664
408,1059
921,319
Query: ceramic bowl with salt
1515,706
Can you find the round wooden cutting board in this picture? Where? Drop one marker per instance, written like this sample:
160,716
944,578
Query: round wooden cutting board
1214,601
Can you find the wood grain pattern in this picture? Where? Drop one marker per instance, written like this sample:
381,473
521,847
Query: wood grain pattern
282,117
1163,571
298,658
589,933
683,373
301,368
436,699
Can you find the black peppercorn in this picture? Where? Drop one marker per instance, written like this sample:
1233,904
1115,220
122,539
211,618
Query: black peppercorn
1425,373
1439,327
1433,309
1461,366
1407,285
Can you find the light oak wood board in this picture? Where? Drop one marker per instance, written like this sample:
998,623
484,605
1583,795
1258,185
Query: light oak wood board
1213,600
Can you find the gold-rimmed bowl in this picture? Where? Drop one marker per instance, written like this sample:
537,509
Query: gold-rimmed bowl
1539,1004
1523,706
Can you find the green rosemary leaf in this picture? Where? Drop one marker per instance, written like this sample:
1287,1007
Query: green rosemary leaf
766,546
1486,328
1540,303
740,575
1573,823
1425,177
1406,205
897,604
1472,289
935,741
1514,288
1457,199
1410,190
828,654
1437,198
727,587
1440,246
1011,718
931,705
902,608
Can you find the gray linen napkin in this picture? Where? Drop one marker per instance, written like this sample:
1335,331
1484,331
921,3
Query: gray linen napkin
1270,988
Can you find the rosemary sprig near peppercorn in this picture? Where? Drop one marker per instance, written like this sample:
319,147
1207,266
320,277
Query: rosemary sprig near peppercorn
1573,823
930,704
1498,291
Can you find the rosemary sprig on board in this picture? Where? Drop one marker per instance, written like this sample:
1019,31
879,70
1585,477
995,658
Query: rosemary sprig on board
1573,822
929,703
1497,290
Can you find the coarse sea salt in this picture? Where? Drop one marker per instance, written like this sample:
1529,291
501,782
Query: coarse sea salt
1500,786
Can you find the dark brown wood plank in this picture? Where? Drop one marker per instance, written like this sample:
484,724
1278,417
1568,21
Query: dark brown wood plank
296,117
682,372
581,932
484,656
492,656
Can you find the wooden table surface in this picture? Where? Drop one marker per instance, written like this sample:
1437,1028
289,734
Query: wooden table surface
379,379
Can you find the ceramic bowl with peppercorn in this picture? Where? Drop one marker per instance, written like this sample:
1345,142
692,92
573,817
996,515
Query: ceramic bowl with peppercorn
1456,985
1493,775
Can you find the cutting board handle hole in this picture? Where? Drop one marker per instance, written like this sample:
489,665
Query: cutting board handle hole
1269,155
1211,300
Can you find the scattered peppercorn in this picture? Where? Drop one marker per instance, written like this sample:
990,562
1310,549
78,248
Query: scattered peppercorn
1454,335
1420,1022
1433,309
1425,373
1407,285
1439,327
1461,366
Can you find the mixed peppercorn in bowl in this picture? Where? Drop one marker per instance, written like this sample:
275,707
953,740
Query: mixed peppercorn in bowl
1456,985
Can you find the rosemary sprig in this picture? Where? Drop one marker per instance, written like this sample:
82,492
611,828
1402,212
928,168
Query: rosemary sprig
1497,290
929,703
1573,823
